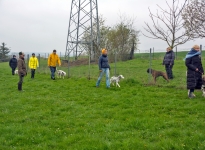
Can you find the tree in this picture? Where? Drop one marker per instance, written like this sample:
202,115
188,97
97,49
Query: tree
194,20
123,38
4,51
168,26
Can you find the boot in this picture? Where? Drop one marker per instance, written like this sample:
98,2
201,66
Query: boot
20,86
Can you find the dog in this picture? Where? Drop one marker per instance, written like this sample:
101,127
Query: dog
61,73
16,72
203,86
116,80
156,74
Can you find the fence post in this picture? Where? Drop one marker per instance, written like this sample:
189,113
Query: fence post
176,53
39,59
115,61
150,65
201,49
153,53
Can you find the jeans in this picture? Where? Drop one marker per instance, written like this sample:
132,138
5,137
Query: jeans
169,71
107,72
13,69
53,70
33,73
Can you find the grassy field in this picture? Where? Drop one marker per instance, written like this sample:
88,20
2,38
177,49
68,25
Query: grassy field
74,114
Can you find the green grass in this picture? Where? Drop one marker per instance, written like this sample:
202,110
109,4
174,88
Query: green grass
73,114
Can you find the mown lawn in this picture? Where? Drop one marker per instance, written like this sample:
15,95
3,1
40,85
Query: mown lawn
73,114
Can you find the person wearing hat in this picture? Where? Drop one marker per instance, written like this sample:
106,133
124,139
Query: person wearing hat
53,59
21,70
33,64
13,64
104,67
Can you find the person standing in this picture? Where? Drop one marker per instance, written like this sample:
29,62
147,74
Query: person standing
33,64
194,70
169,62
13,64
104,67
53,59
21,70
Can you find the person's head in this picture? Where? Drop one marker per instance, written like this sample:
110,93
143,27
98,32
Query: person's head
104,51
169,48
54,51
196,47
21,54
14,56
33,54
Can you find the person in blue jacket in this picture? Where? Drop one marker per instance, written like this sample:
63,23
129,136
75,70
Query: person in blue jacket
104,68
13,64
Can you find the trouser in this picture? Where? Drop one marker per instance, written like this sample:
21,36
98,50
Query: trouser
53,70
107,72
169,71
13,70
20,82
33,73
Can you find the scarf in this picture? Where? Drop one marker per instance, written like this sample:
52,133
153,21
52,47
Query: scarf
192,53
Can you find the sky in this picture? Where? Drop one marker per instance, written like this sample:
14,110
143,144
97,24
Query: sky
40,26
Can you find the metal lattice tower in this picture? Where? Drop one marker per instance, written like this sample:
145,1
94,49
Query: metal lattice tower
83,28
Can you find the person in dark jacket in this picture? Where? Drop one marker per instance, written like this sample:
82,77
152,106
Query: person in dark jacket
169,62
104,67
194,70
21,70
13,64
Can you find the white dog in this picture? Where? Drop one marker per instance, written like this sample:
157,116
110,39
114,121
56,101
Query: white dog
61,73
116,80
16,72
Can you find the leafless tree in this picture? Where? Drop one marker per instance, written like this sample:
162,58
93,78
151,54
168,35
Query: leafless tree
167,24
194,20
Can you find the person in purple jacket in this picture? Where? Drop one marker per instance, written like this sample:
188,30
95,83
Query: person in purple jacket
104,67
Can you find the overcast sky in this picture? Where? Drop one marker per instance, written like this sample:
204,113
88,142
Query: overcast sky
41,25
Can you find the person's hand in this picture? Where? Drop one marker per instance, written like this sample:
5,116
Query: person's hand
197,69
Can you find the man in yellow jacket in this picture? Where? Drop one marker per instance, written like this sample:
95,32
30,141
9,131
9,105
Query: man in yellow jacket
33,64
53,59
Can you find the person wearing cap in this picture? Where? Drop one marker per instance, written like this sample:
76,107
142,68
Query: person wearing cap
53,59
13,64
104,68
33,64
21,70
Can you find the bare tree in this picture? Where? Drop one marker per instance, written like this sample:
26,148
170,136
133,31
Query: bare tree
168,24
194,20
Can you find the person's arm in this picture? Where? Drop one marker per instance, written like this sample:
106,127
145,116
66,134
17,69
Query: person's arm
189,64
100,63
59,61
29,63
20,70
172,58
37,64
10,62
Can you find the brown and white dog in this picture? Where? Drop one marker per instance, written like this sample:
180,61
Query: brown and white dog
156,74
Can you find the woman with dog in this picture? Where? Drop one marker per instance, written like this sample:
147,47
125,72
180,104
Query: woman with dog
194,70
104,67
169,62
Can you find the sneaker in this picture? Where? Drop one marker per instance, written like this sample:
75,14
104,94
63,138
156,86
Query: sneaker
191,94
